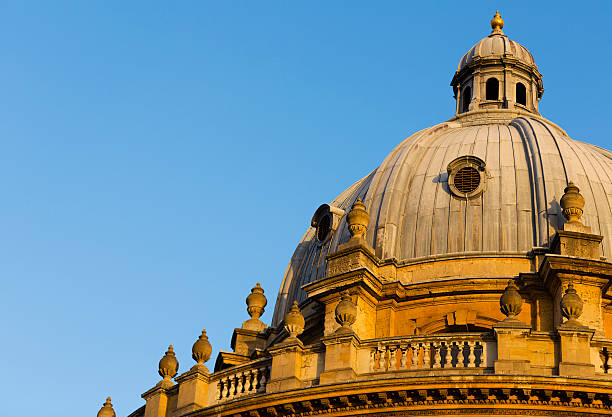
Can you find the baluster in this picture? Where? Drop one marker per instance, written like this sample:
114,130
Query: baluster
392,358
609,362
372,360
262,382
248,387
599,365
232,385
472,355
219,390
483,355
448,356
240,384
437,360
415,356
226,385
255,379
381,360
403,360
426,357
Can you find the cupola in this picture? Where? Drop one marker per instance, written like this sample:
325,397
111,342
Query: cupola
497,73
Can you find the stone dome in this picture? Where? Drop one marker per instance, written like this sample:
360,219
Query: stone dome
496,44
415,216
486,183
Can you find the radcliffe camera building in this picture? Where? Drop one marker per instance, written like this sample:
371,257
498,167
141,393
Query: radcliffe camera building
469,274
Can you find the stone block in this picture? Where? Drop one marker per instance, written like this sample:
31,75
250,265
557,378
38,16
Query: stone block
193,389
286,370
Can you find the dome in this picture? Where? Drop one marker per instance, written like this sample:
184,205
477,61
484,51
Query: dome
496,44
415,216
486,183
466,270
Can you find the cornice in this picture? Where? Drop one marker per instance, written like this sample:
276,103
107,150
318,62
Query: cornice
428,395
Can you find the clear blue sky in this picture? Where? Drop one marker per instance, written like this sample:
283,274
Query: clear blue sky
159,158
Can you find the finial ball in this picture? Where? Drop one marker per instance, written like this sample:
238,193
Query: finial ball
201,350
294,321
256,302
497,23
358,219
168,365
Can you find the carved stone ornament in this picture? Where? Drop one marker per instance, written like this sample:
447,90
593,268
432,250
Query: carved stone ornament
511,301
168,367
294,321
346,312
107,409
256,302
358,219
201,350
572,203
571,305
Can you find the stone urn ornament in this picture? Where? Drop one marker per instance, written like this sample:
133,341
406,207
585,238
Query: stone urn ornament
294,321
510,303
107,409
358,219
201,351
168,368
256,302
572,203
346,313
571,306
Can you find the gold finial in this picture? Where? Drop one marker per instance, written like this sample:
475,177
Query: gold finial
497,23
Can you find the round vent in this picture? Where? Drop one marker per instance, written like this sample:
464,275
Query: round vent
467,180
325,221
466,176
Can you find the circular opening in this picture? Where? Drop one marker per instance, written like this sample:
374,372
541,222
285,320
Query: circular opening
323,228
467,180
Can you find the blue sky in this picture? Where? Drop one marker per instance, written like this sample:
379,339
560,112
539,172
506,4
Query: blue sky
159,158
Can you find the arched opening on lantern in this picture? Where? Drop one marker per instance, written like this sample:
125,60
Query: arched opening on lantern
521,94
492,89
466,99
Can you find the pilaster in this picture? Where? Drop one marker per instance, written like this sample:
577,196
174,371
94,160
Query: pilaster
575,341
193,389
156,401
512,352
246,341
340,358
286,370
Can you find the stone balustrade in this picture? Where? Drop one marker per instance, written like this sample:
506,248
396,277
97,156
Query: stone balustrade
413,353
603,358
244,380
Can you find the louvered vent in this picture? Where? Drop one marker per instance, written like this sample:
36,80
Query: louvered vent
467,180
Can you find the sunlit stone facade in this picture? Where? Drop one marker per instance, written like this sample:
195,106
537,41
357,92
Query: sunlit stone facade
467,275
